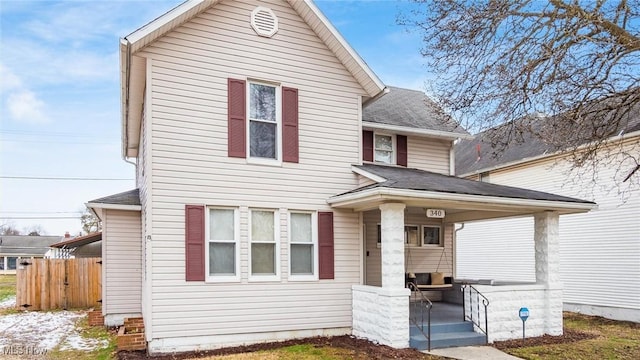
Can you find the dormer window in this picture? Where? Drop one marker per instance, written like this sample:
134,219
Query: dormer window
383,148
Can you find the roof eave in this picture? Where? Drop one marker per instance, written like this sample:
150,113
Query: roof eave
405,130
353,200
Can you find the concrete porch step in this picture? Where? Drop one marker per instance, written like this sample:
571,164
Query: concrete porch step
446,335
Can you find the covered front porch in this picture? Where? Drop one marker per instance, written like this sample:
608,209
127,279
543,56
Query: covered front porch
409,218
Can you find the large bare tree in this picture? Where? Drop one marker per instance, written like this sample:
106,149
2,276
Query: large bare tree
513,62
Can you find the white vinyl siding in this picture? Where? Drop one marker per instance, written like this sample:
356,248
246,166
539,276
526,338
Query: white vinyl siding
189,71
428,154
122,262
599,250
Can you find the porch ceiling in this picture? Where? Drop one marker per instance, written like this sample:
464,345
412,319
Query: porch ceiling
462,199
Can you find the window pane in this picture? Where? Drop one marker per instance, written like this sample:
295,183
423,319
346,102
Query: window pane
262,102
383,156
262,226
221,223
431,236
384,142
302,259
262,139
263,259
301,227
222,258
411,236
11,263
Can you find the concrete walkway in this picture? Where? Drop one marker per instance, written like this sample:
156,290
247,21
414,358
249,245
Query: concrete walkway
472,353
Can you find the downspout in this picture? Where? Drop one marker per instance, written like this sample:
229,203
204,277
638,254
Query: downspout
455,258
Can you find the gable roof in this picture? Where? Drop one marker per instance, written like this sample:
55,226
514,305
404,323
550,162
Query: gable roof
396,177
184,12
410,109
26,245
479,154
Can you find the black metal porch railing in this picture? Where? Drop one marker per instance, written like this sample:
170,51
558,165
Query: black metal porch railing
421,307
474,310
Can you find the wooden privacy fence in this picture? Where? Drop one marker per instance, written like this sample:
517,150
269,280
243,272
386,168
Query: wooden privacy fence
45,284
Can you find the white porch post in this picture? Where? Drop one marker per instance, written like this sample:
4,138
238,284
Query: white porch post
547,248
392,246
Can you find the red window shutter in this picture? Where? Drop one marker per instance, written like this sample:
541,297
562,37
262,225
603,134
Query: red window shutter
194,242
237,107
325,245
367,145
290,124
401,146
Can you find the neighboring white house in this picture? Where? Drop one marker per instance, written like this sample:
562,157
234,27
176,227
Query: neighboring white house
267,153
16,247
600,250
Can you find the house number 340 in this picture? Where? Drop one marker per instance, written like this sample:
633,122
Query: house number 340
435,213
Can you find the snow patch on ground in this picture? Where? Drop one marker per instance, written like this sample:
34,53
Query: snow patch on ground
45,330
8,303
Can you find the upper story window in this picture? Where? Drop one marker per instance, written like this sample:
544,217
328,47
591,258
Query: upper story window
383,146
264,120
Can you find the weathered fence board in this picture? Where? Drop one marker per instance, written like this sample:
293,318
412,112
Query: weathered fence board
45,284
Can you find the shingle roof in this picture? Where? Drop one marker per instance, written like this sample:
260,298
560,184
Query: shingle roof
131,197
79,241
410,108
27,245
415,179
480,152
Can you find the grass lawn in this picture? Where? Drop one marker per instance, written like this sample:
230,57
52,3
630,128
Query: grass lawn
88,332
7,286
611,340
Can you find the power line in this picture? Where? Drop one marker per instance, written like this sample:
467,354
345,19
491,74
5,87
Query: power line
39,212
64,178
39,217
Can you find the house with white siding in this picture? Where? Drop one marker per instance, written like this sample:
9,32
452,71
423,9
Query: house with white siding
283,191
599,251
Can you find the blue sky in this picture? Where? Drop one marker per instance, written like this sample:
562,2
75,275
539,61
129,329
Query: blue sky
59,93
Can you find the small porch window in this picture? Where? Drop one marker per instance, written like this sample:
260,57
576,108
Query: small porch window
431,235
411,235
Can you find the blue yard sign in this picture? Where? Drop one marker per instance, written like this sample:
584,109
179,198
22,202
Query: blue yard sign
524,315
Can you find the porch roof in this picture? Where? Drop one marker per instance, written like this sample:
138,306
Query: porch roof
464,199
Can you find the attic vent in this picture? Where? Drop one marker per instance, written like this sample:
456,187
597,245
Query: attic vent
264,22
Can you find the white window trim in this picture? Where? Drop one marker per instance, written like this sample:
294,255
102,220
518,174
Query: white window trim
440,232
259,160
314,241
379,244
419,228
276,239
236,235
394,149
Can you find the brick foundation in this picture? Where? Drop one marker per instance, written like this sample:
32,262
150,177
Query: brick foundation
131,335
95,318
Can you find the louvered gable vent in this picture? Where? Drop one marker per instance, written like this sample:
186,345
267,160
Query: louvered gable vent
264,22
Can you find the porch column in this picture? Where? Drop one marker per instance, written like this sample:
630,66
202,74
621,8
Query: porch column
547,248
392,244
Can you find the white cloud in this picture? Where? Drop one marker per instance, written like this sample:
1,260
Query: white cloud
9,81
24,106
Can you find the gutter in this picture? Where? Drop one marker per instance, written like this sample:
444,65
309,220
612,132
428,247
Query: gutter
125,120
